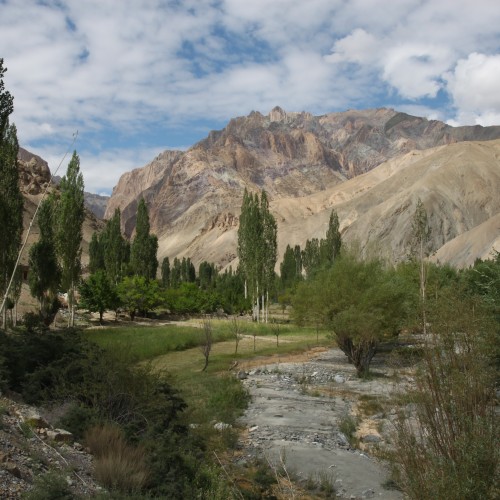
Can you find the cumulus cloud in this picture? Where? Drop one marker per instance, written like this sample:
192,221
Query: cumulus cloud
130,74
474,85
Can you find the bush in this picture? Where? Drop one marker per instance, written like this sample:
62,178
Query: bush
50,486
118,466
448,447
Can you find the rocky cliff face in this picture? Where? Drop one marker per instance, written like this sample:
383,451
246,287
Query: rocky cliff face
194,197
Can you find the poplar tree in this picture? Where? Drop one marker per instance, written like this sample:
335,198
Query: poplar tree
114,248
333,240
45,273
420,237
11,201
96,253
71,214
143,250
257,246
165,272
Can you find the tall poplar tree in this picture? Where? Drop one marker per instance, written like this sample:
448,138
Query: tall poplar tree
11,201
70,216
257,246
45,273
143,250
333,240
420,237
114,248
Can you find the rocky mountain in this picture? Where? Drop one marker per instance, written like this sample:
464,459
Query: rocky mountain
371,166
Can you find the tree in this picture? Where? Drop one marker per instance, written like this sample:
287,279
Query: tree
98,294
45,274
420,237
311,258
139,295
70,217
165,273
333,240
96,253
269,245
11,200
288,268
115,248
207,342
361,302
143,250
257,246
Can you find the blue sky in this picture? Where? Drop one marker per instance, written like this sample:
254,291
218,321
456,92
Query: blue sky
135,77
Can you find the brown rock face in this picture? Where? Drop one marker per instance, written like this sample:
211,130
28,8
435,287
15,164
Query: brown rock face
306,164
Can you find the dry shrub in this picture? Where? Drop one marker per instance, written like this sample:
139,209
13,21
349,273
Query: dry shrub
118,465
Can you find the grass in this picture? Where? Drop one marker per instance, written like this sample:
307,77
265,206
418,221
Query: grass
214,394
147,342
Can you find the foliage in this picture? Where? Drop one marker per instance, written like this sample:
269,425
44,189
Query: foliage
50,486
115,249
188,298
291,267
139,295
361,301
257,244
449,448
98,294
165,273
11,200
45,273
70,217
143,261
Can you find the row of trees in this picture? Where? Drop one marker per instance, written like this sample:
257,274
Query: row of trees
298,264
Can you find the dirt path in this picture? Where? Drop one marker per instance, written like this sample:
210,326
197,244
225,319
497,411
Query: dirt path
294,418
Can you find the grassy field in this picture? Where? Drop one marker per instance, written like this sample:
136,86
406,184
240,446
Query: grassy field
214,394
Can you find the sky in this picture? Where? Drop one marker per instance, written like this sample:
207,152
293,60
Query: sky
136,77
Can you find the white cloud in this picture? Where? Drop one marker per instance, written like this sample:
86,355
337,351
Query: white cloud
474,85
111,68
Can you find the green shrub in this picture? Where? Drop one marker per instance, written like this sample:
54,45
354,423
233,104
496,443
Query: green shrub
50,486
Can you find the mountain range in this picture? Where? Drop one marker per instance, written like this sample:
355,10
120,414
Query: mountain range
371,166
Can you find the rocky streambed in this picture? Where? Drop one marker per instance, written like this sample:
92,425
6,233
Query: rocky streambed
299,413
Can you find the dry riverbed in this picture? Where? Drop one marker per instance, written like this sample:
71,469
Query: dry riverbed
295,418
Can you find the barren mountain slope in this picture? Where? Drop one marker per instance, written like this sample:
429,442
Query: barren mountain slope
194,197
458,184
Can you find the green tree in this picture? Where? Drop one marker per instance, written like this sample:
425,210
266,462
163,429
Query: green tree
45,273
311,257
139,295
115,248
144,247
269,243
11,200
257,247
70,217
333,241
420,237
96,253
98,294
165,272
361,302
288,268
